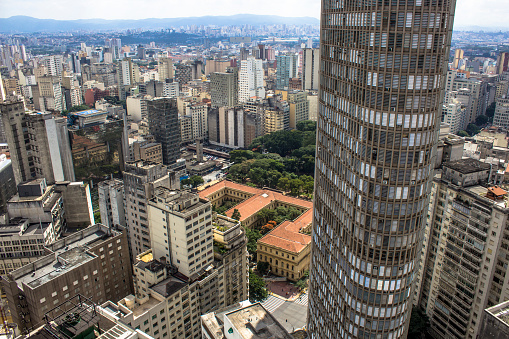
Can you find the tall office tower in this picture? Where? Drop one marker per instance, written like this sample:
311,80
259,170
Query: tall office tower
478,90
12,114
183,74
75,63
503,63
163,123
140,52
39,144
383,66
226,127
170,88
140,180
224,88
49,96
286,69
165,68
111,202
310,65
251,79
458,55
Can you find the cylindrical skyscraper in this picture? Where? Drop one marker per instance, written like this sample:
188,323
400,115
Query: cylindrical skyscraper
382,72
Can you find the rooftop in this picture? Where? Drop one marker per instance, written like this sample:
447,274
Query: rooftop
141,309
287,235
62,264
68,254
500,311
89,113
253,322
466,166
169,286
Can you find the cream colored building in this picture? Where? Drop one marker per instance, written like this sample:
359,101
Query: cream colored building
198,264
465,250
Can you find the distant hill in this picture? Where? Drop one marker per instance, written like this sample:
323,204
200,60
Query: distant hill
29,24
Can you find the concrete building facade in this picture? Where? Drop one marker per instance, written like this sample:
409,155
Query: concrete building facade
373,178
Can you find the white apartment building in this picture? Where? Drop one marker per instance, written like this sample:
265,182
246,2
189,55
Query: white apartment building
251,79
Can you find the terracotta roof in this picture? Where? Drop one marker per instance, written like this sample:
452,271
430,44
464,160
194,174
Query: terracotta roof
497,191
287,235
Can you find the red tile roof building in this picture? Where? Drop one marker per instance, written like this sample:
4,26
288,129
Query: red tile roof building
287,247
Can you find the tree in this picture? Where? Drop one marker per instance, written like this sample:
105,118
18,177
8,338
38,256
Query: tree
306,125
481,120
257,290
463,134
268,227
490,111
236,214
301,284
419,323
252,239
472,129
263,267
194,181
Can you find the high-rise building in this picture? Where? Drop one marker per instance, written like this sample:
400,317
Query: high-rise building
111,202
198,113
224,88
198,264
462,265
93,262
251,79
140,180
7,182
163,122
299,107
379,102
458,56
286,69
38,143
495,324
165,68
501,117
503,63
227,126
310,65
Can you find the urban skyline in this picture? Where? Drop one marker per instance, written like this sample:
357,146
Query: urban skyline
250,176
470,13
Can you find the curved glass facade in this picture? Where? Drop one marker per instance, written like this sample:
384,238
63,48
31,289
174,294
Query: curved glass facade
382,72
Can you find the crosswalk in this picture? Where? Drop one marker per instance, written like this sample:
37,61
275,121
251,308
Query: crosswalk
302,300
272,303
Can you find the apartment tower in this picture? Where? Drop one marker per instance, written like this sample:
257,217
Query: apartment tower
383,67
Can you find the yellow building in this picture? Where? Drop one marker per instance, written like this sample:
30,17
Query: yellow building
287,247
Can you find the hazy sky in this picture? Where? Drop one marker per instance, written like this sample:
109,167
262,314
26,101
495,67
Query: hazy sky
468,12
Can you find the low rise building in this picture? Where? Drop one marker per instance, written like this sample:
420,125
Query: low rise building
287,247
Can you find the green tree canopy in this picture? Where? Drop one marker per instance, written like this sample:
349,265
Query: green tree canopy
236,214
257,290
